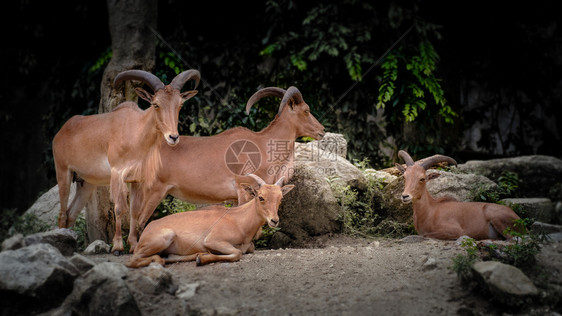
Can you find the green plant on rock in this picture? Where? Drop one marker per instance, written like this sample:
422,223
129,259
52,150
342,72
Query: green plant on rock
462,263
523,252
81,231
11,223
508,183
359,216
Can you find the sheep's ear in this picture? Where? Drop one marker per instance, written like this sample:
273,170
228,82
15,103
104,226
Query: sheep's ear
433,175
249,188
188,94
400,168
143,94
287,188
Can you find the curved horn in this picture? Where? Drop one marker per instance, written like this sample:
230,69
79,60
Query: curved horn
292,92
265,92
280,181
407,158
141,75
435,159
179,81
258,179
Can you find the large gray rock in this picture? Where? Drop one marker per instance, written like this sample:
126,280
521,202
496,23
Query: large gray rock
324,159
459,186
506,283
34,278
63,239
309,210
541,209
101,291
47,206
540,176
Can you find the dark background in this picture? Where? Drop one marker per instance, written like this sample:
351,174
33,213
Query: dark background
494,59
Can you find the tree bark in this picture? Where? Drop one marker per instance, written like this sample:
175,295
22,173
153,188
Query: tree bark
133,47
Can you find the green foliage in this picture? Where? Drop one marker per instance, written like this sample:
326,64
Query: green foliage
101,62
171,205
523,252
359,215
11,223
81,231
462,264
508,183
408,75
266,235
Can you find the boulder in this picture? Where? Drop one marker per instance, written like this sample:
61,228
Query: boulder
101,291
462,187
311,208
63,239
540,176
13,243
505,283
540,209
153,279
97,247
47,206
82,263
328,163
34,278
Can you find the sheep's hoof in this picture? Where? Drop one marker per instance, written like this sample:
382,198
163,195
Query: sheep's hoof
198,261
117,252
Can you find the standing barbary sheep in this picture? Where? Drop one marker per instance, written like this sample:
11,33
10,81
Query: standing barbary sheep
446,218
118,147
216,233
197,170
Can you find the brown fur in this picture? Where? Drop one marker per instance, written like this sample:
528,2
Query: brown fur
214,234
196,170
112,149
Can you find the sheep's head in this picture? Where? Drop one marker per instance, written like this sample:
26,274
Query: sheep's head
268,197
293,109
415,176
166,101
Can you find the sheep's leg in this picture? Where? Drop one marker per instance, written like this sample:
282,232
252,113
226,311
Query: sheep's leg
177,258
118,192
143,262
150,246
64,180
143,205
84,192
227,253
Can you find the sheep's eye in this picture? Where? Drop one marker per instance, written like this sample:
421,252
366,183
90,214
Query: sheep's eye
261,199
156,106
422,180
306,112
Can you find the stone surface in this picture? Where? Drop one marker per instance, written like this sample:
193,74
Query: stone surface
14,242
538,174
34,278
47,206
541,209
506,283
101,291
309,210
63,239
97,247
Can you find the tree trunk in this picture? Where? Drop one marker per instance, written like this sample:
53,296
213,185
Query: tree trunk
133,47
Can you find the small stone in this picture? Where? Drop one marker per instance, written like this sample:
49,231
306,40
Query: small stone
97,247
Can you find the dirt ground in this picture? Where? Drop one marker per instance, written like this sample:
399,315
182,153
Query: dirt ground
340,275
